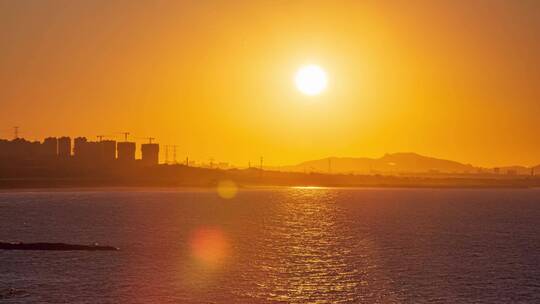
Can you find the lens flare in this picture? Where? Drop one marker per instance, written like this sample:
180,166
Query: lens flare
227,189
209,246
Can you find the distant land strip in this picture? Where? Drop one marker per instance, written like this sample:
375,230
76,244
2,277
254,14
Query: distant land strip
183,176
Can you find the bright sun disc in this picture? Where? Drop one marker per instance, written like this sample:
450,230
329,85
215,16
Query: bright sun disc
311,80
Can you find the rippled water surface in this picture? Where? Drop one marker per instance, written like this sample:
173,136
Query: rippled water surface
275,246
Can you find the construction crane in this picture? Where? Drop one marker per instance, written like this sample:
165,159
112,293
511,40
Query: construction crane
100,137
150,139
126,134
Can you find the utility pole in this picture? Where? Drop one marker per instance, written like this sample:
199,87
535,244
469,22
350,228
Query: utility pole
187,161
174,154
261,167
16,132
167,154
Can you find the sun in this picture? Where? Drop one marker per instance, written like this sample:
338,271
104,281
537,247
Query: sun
311,80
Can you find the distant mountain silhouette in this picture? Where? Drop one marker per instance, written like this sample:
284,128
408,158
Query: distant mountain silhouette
389,163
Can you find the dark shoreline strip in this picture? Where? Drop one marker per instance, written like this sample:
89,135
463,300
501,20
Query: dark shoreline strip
54,246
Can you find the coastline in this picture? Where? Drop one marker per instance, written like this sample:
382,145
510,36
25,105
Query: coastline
96,185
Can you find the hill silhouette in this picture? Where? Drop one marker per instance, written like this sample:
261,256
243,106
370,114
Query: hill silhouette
389,163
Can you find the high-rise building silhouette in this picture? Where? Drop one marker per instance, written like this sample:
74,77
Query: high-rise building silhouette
92,151
150,154
78,147
87,150
49,147
108,150
19,149
126,151
64,147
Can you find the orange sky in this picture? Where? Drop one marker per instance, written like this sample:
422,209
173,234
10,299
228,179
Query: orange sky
451,79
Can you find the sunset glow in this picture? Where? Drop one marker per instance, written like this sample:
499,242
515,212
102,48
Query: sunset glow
448,79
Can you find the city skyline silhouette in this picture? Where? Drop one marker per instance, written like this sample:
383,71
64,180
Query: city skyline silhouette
78,162
150,153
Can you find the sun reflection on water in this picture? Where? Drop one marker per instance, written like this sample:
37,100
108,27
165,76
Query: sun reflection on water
309,187
307,262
